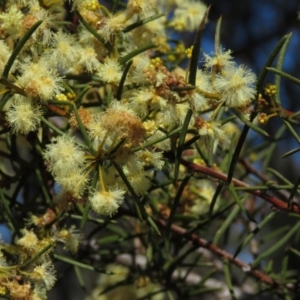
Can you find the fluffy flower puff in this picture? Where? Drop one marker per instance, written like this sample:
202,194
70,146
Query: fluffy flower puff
63,53
158,103
211,129
113,25
22,116
140,63
172,115
70,237
107,202
144,8
235,84
131,162
110,71
150,126
140,101
16,289
73,181
151,158
139,179
219,60
44,32
11,21
40,80
63,156
88,58
197,99
45,273
188,15
38,292
101,139
116,123
29,240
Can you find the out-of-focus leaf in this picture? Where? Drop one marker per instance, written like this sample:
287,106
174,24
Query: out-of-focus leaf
226,223
18,48
281,56
240,203
81,265
273,248
250,236
228,276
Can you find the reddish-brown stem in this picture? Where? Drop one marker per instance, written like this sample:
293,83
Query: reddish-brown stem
238,183
221,253
57,110
263,177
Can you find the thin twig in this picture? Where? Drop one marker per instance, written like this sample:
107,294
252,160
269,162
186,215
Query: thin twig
238,183
262,177
223,254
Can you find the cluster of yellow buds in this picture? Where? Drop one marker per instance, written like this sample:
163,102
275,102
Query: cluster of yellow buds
270,89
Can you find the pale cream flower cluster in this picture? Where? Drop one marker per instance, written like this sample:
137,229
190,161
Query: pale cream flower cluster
69,164
40,275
